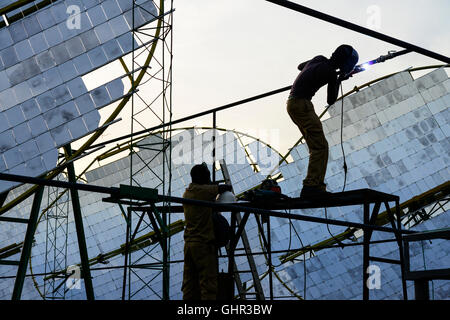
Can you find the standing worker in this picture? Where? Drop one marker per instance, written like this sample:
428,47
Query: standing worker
314,74
200,251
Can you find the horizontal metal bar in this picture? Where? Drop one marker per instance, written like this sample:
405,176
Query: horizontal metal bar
9,262
359,29
385,260
196,115
436,274
426,235
226,207
58,184
17,220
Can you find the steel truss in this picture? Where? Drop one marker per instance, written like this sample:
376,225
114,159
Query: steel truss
135,196
146,198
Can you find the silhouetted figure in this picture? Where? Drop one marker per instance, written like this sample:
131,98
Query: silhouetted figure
200,251
314,74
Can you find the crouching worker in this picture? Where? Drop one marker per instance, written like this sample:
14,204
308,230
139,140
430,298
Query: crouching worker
200,251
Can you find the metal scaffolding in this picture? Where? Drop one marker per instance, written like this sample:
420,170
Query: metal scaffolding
149,227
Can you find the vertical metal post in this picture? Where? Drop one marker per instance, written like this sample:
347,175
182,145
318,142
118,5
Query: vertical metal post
401,249
126,253
214,147
85,269
421,290
231,247
269,254
162,233
26,249
3,197
366,239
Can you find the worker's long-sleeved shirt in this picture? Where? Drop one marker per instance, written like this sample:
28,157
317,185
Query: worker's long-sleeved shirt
314,74
199,223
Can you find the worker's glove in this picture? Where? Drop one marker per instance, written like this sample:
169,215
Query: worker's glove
343,77
224,187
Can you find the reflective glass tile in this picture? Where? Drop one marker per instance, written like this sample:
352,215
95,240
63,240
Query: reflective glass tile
31,25
29,149
52,78
23,49
75,46
82,64
45,61
104,32
119,26
60,53
96,15
45,18
13,157
7,141
5,38
100,96
30,109
22,92
38,43
22,133
67,70
89,39
97,57
53,36
60,135
46,101
111,8
92,119
37,126
58,11
30,68
17,31
7,99
4,81
9,57
76,87
112,49
61,94
84,103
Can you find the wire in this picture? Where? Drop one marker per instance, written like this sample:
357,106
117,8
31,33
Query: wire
425,267
342,140
329,231
344,166
304,256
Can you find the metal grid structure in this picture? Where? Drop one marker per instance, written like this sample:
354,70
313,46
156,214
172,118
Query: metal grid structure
159,146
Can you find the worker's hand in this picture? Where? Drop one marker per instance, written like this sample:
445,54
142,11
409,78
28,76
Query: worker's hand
224,187
343,77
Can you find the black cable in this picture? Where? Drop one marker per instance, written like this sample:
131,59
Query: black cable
304,257
342,139
344,166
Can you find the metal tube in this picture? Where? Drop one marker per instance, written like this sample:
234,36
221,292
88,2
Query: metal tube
366,253
26,249
86,272
359,29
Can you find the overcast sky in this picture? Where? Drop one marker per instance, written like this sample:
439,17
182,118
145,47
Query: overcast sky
228,50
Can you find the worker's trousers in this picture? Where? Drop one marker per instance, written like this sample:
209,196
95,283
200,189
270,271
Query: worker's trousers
200,271
302,113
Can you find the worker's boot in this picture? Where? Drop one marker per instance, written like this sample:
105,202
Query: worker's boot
314,191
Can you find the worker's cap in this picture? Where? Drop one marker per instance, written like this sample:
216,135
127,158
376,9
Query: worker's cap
200,173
